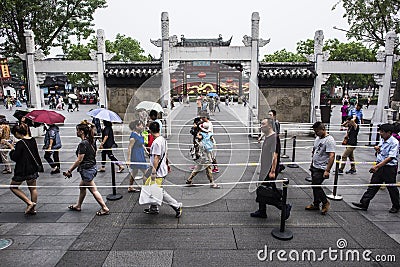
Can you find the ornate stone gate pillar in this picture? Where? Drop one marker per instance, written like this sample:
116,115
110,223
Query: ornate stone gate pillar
34,90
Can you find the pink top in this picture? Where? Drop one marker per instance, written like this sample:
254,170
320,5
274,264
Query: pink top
344,110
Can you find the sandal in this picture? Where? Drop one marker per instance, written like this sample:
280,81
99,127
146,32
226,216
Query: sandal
30,208
101,212
6,172
215,186
73,208
132,189
121,169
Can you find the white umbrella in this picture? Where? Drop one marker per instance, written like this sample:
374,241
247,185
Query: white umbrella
148,105
73,96
104,114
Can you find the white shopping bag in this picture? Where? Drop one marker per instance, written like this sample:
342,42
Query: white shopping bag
151,195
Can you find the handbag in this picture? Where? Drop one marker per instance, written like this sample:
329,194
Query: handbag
151,195
269,195
39,167
345,140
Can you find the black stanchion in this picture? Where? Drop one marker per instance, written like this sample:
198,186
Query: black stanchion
114,195
293,165
334,196
284,156
370,135
281,233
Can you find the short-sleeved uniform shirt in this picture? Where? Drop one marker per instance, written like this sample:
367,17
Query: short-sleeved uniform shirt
389,149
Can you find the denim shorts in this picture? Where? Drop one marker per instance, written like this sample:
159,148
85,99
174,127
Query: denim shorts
88,175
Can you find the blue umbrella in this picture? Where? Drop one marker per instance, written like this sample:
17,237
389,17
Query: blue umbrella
104,114
212,94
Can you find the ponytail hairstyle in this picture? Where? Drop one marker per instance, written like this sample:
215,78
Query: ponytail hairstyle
88,129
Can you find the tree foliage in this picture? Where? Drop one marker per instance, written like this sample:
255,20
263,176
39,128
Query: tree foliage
124,49
53,22
284,56
371,20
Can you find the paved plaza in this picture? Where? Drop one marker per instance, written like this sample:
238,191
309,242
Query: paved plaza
216,228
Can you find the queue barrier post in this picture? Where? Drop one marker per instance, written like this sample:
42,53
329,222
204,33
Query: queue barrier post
284,156
334,195
281,233
370,135
114,195
293,165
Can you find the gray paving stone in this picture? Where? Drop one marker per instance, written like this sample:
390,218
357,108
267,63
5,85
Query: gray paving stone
20,217
142,220
156,258
47,229
94,241
76,217
115,219
53,242
20,242
388,227
33,258
82,258
159,239
381,216
5,227
227,258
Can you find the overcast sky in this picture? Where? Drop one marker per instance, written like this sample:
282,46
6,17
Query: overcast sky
284,21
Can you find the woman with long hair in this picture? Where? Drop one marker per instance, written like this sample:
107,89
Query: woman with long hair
136,151
27,165
86,164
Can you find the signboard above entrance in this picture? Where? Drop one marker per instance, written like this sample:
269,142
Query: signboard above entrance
201,63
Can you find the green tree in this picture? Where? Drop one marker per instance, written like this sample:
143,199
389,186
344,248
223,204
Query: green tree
284,56
52,22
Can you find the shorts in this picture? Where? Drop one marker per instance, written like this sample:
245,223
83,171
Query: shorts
88,175
25,178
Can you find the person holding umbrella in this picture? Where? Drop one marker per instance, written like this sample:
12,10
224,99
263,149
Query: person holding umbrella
86,164
107,144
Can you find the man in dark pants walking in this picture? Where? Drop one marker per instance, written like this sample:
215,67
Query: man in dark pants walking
384,171
323,157
267,193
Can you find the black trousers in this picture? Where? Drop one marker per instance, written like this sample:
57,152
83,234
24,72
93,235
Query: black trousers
317,177
53,163
110,155
385,174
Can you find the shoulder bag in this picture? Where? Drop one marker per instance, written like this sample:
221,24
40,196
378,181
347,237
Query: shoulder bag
39,167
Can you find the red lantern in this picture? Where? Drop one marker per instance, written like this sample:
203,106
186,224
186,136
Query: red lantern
201,75
173,80
229,80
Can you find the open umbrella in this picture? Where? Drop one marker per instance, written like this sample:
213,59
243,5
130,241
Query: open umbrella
148,105
104,114
45,116
212,94
18,114
73,96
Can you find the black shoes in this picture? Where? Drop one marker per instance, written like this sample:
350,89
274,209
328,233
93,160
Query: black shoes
55,171
178,211
351,172
259,214
358,206
394,210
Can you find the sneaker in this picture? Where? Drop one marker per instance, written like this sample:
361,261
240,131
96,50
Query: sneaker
312,207
394,210
325,208
215,170
351,172
178,211
259,214
358,206
151,211
340,171
288,209
281,168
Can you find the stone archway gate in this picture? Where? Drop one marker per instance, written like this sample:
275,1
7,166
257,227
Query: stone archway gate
382,70
36,66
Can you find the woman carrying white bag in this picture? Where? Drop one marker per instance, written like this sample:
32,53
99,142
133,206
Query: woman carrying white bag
159,169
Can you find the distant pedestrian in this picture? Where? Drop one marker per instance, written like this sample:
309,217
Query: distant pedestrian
211,104
205,117
27,165
226,100
323,157
52,143
107,144
384,171
217,102
4,140
86,165
199,104
267,193
70,108
344,111
357,113
136,151
368,101
351,143
76,105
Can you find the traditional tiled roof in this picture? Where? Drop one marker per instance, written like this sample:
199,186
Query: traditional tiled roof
132,69
203,42
286,70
